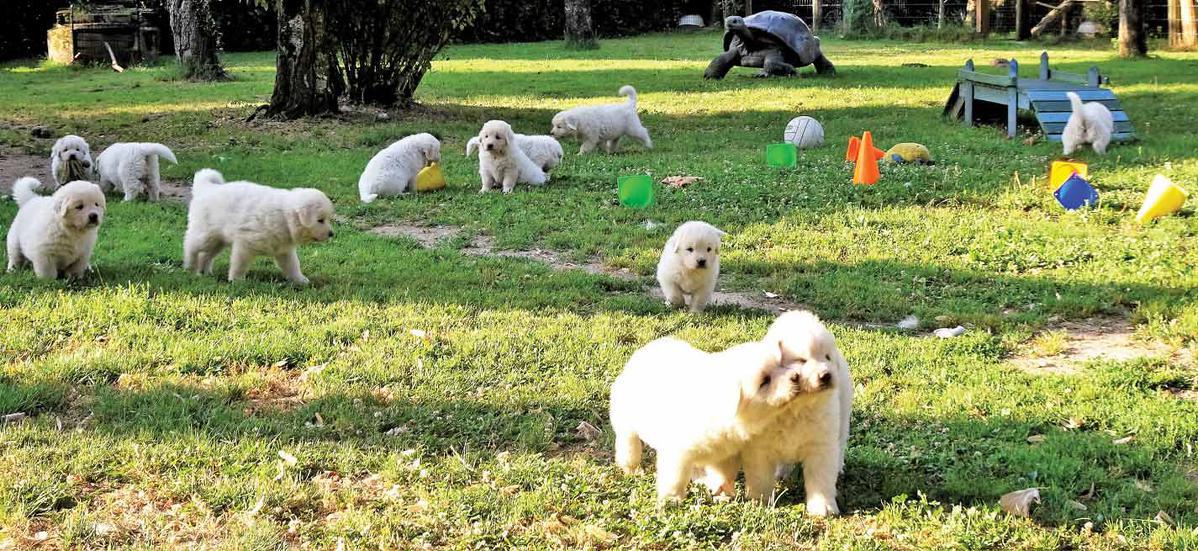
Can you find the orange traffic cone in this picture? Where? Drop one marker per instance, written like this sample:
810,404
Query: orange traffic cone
866,171
850,155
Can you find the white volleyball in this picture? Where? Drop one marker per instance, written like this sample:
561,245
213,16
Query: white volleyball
804,132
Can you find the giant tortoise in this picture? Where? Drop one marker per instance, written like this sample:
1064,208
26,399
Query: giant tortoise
778,42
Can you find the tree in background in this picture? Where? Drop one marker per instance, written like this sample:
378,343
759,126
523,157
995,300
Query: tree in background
196,37
1133,39
580,30
306,78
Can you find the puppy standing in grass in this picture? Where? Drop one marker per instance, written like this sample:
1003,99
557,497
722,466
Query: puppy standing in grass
133,168
393,170
690,265
603,124
501,161
694,408
55,234
544,151
71,159
254,220
813,429
1090,123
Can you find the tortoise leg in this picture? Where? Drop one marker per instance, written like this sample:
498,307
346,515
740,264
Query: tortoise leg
823,66
722,64
775,64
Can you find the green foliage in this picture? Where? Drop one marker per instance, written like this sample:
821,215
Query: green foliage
860,18
532,20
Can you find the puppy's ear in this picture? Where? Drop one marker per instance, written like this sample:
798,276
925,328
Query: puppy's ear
62,206
570,124
509,134
308,214
719,231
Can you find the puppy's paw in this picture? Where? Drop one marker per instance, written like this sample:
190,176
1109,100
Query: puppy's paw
301,281
820,507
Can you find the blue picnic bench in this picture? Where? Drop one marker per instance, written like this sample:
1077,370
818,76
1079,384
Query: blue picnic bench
1044,97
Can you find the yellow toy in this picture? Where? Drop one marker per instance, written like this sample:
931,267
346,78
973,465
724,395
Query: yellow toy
1164,198
430,178
1061,170
910,153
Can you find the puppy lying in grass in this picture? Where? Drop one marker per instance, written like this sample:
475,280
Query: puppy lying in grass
690,265
132,168
501,162
813,429
695,408
55,234
71,159
393,170
254,220
603,125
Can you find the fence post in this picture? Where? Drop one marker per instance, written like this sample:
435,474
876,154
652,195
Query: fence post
983,17
817,8
940,15
1021,26
1044,73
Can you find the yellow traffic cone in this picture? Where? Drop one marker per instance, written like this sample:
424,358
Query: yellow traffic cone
1164,198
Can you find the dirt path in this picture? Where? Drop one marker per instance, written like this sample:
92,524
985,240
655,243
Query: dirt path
1095,339
18,165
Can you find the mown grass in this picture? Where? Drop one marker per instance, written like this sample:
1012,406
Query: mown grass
160,402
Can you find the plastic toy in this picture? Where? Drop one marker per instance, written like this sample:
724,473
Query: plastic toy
781,155
1164,198
635,190
850,154
1076,193
1059,171
866,171
430,178
804,132
909,153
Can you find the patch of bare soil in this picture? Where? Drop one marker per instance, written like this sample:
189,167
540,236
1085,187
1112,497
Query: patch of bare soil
13,166
1095,339
427,236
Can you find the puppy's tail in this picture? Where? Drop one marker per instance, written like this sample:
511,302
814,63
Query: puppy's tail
472,146
629,91
160,150
1075,100
205,179
25,189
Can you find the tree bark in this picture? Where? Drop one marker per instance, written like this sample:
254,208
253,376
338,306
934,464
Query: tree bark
1133,40
1174,23
307,81
1022,30
1056,12
580,31
817,13
879,13
195,34
1189,24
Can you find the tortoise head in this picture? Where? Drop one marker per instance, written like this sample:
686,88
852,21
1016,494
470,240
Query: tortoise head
735,24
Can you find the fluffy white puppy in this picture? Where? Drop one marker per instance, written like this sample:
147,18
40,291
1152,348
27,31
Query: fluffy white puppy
603,124
690,265
544,151
71,159
1090,123
132,168
393,170
813,429
694,408
254,220
55,234
500,160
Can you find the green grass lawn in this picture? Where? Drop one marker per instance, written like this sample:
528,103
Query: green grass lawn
417,397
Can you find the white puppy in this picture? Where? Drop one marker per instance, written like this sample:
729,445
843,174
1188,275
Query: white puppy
812,430
132,168
393,170
690,265
603,124
255,220
694,408
1091,123
56,233
544,151
500,160
71,159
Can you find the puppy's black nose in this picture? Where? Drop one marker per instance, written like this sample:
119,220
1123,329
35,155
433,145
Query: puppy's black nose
490,147
330,235
702,263
93,218
825,378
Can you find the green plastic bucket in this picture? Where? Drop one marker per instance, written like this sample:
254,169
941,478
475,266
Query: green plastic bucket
781,155
636,190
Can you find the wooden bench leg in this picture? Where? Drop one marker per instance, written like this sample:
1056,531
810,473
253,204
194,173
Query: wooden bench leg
1012,111
967,94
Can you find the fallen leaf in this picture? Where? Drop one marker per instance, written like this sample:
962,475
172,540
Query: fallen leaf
319,420
281,363
510,490
1036,438
14,417
1144,486
769,294
1074,423
1019,502
1077,505
1163,518
1089,493
680,181
41,536
587,431
1124,440
288,458
396,431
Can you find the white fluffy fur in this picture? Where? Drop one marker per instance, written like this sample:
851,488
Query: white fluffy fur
255,220
501,162
55,234
393,170
1091,123
694,408
812,430
132,168
65,149
603,125
690,265
545,151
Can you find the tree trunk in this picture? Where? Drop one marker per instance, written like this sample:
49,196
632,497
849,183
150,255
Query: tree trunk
1174,23
307,81
1133,40
1056,12
983,17
580,32
817,13
1022,30
1189,24
195,34
879,13
971,13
